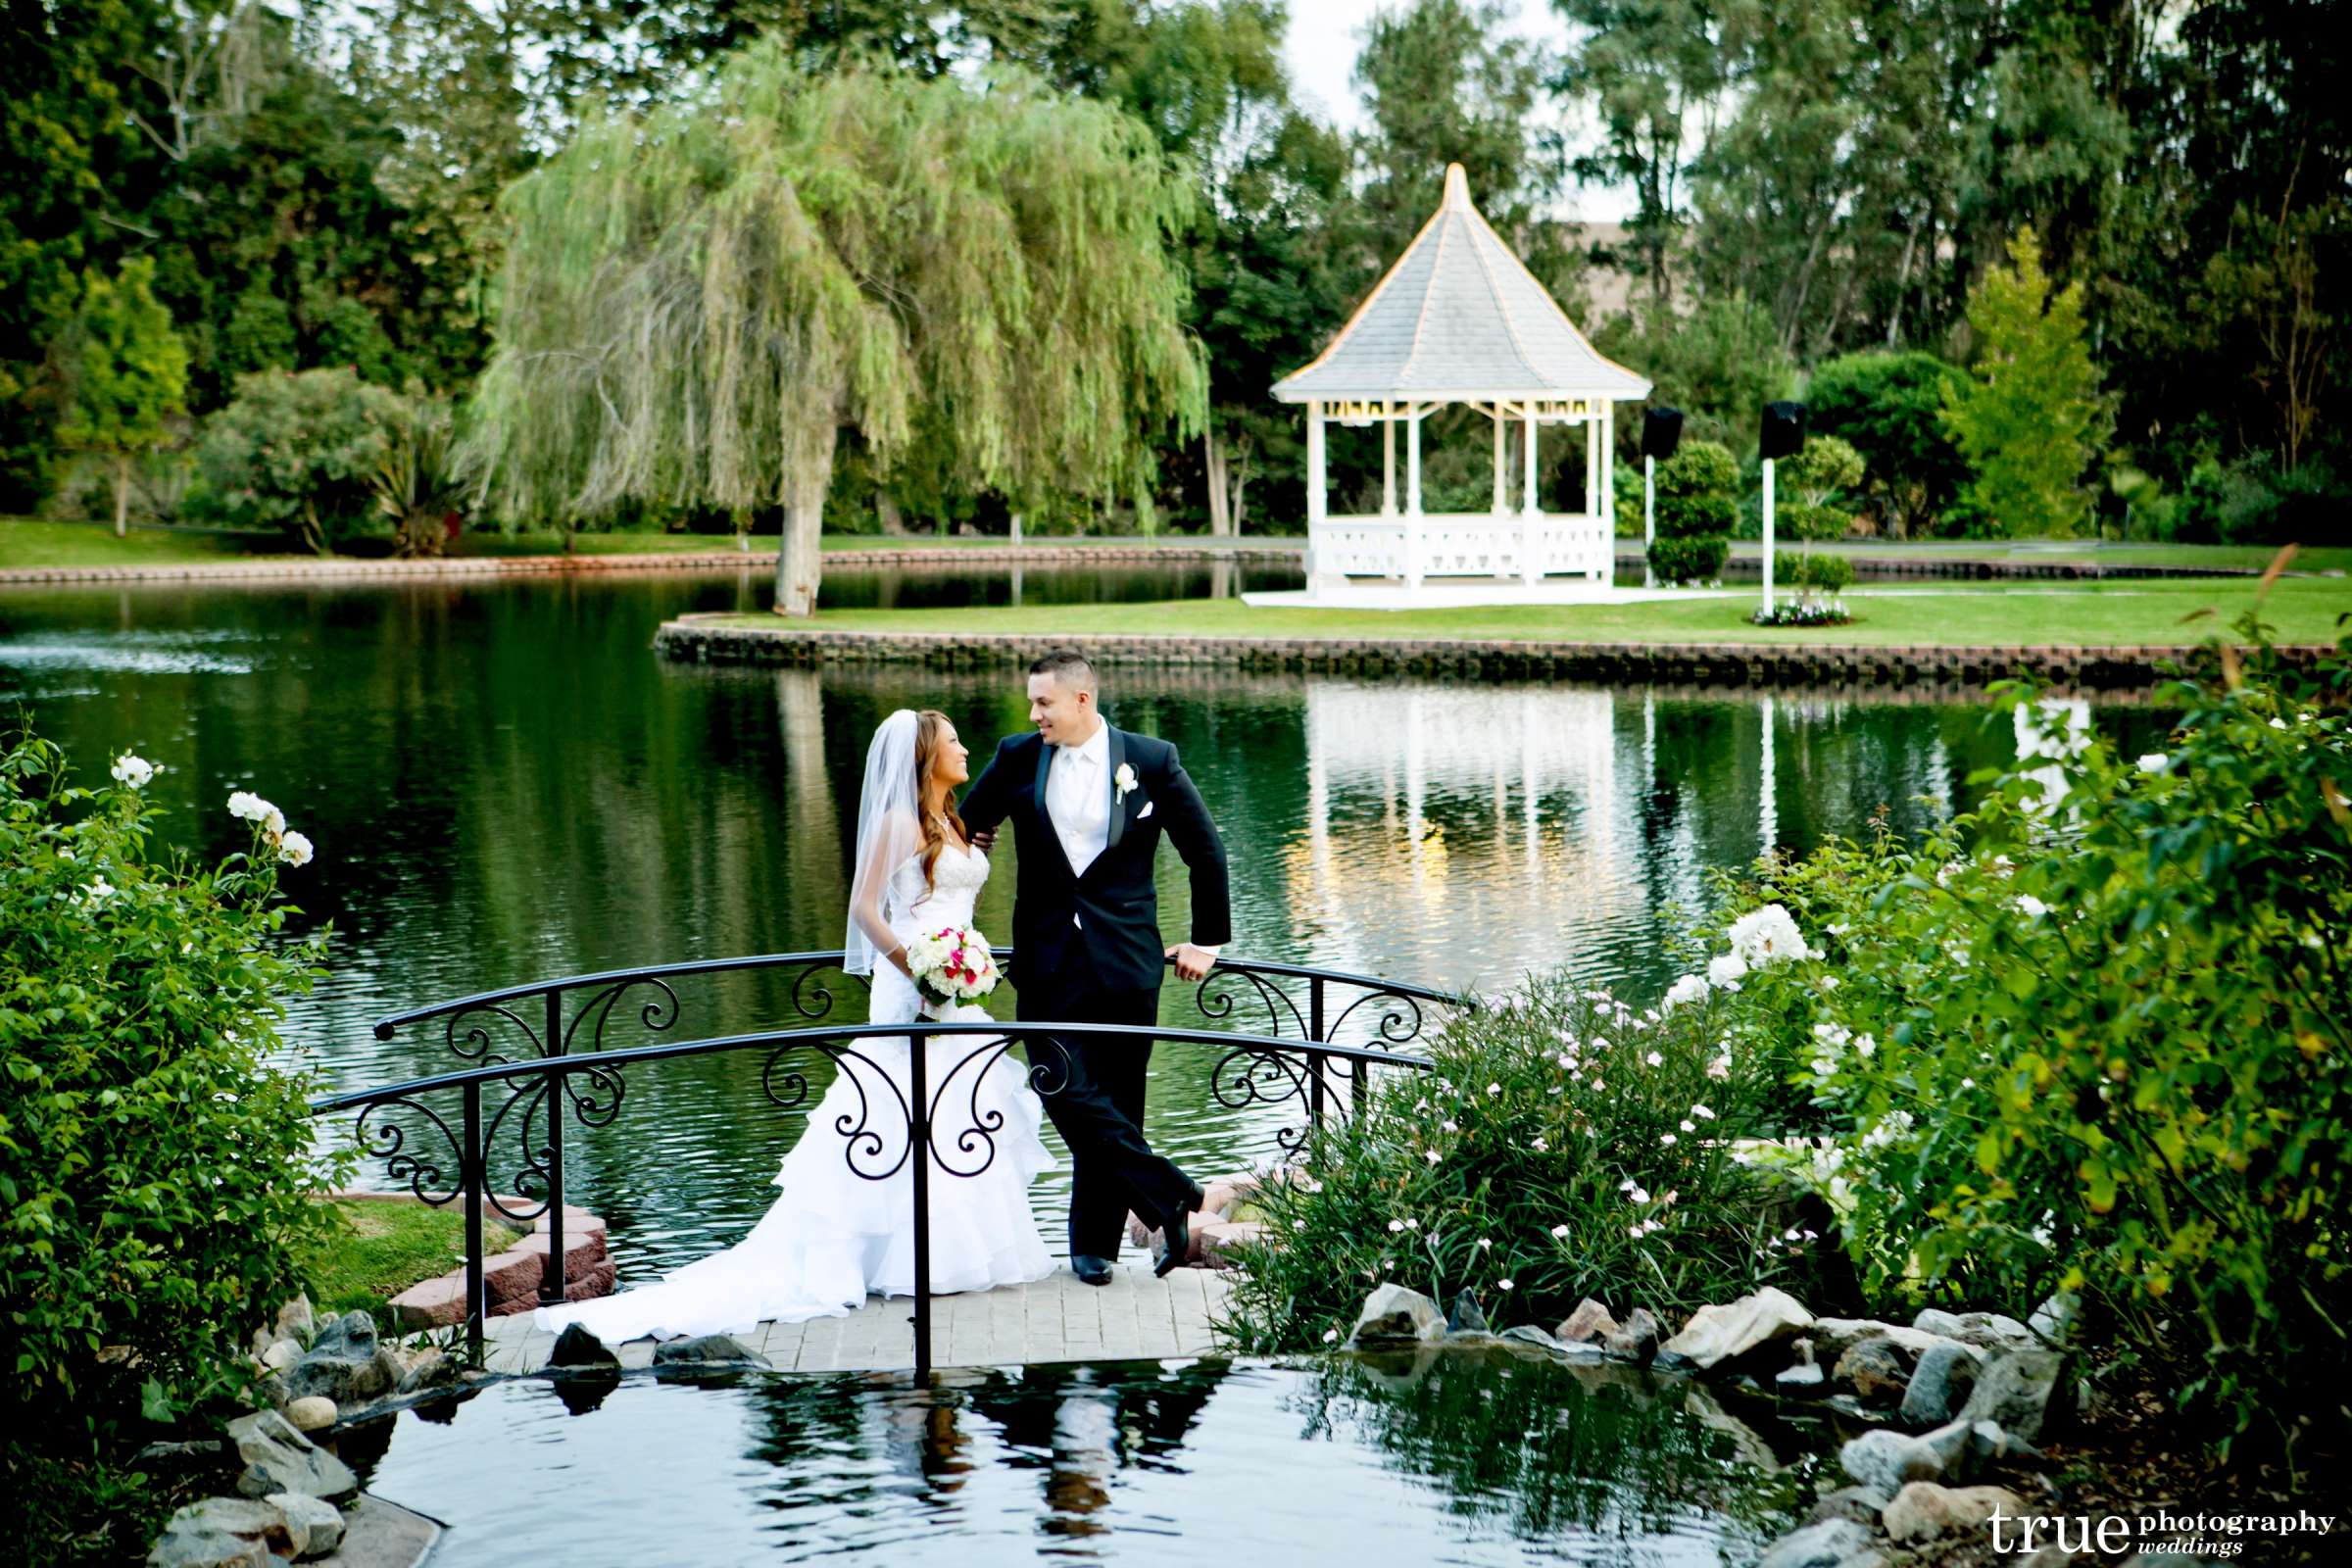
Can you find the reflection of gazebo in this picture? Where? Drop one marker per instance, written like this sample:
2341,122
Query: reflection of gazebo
1459,320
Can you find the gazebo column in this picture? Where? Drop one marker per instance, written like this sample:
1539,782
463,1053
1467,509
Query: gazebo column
1502,465
1412,497
1314,489
1387,458
1531,518
1608,494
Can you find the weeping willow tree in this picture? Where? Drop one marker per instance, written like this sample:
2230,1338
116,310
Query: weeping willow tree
697,302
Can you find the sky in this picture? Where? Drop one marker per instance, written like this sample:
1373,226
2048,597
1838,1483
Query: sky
1321,50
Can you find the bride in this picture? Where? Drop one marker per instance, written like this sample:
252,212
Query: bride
835,1237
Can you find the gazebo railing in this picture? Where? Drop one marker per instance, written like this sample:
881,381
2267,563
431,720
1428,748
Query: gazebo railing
1509,545
531,1052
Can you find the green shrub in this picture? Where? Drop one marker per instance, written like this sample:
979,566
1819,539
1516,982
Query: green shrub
1814,489
2098,1037
1821,572
1563,1144
1890,408
300,451
2249,502
1697,508
159,1172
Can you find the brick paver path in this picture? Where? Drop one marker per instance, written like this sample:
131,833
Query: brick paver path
1135,1317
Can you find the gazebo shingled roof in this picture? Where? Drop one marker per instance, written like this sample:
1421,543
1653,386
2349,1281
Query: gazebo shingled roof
1459,317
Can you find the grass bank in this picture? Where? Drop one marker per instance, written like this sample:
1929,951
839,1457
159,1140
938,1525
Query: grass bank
2143,612
386,1246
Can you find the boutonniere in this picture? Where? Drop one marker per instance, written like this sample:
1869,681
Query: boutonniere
1123,782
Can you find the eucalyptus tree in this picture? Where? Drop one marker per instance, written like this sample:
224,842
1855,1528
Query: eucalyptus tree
696,303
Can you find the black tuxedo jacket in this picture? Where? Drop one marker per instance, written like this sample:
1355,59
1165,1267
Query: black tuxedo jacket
1116,899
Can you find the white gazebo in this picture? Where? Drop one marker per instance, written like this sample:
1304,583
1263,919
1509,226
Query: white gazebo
1460,319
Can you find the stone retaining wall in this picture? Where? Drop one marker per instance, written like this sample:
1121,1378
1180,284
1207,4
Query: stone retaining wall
510,1279
761,557
700,639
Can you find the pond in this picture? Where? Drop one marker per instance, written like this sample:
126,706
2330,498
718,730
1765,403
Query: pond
1469,1459
505,784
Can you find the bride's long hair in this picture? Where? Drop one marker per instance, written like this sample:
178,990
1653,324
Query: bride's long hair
933,797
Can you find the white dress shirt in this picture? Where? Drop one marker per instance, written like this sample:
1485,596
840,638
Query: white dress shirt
1078,800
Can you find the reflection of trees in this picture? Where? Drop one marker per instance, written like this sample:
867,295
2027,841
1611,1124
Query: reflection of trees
1542,1449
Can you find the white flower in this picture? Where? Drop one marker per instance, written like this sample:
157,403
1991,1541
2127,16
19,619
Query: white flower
1485,1242
2031,907
251,807
1626,1185
1505,1285
1767,936
1329,1336
1829,982
1449,1127
2278,723
1538,1146
1688,1126
1123,780
1702,1114
1634,1231
1666,1140
2154,763
1720,1068
1431,1156
1597,993
1865,1043
101,889
294,850
1968,1083
1559,1233
132,770
1601,1041
1726,969
1655,1060
1394,1225
1640,1195
1494,1090
1568,1062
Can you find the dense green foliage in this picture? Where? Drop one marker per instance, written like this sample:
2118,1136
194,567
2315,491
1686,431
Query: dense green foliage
1816,489
157,1170
2028,419
1697,507
297,451
128,373
321,189
2094,1038
1563,1144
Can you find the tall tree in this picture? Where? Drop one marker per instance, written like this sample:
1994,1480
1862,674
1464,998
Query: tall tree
696,303
2029,419
128,374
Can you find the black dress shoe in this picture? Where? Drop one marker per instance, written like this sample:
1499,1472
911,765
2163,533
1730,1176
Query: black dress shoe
1091,1270
1179,1234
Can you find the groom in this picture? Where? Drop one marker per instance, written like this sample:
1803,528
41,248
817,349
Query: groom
1088,803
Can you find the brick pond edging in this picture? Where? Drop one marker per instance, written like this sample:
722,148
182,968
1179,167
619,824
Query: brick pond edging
705,640
510,1279
759,559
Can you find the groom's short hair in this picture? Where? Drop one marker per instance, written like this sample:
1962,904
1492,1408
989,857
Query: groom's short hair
1067,666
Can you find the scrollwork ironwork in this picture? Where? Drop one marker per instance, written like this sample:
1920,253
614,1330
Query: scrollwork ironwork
389,1141
1394,1027
1217,1004
474,1046
1258,1076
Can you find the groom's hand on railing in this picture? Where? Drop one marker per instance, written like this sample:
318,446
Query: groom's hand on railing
1191,962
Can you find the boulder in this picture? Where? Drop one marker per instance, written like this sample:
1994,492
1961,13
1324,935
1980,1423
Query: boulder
1802,1380
1467,1316
1590,1323
1717,1334
1837,1335
1859,1503
1224,1241
1395,1315
1876,1370
1889,1460
280,1458
250,1520
1939,1384
1989,1442
2014,1389
1528,1333
317,1526
429,1370
296,1320
311,1413
281,1355
1924,1511
1826,1545
707,1349
576,1347
194,1547
1637,1340
1986,1330
343,1363
2055,1318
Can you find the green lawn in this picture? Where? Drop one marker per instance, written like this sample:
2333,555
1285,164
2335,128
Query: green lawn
390,1245
31,542
2146,611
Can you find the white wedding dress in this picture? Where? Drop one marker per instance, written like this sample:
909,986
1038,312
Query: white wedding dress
835,1237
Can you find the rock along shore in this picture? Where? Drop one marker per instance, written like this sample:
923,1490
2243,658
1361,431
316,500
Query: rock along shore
712,640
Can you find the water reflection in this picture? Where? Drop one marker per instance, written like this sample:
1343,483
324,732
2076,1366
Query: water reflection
505,783
1464,1459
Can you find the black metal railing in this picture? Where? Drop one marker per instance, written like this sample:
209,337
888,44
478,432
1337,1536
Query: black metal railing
521,1086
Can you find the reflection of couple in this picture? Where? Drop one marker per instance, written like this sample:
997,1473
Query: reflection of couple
1088,805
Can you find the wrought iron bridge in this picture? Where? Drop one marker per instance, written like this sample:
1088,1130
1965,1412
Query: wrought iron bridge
490,1134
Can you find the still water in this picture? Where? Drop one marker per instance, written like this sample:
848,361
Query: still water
505,784
1470,1459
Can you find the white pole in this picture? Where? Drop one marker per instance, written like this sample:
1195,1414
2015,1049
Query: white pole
1608,493
1531,521
1387,459
1502,465
1768,466
1314,465
1650,517
1412,503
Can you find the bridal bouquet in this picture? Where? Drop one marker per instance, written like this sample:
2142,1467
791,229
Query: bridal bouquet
951,965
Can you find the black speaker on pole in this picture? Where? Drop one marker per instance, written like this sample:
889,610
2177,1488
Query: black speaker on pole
1784,429
1661,432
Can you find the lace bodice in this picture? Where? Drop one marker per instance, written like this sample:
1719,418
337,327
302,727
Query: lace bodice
956,884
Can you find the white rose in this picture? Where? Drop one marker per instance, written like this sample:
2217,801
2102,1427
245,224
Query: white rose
1726,968
294,850
132,770
1125,779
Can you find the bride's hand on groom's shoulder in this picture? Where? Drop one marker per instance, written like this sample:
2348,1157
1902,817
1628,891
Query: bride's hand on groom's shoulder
985,841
